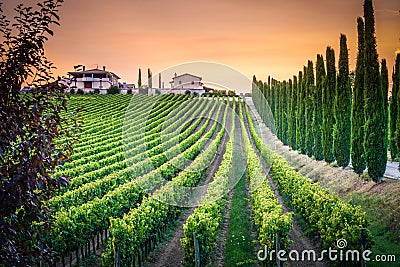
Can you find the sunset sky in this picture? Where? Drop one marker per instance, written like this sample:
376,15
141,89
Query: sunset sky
261,37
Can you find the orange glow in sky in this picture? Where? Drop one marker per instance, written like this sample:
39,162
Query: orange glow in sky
261,37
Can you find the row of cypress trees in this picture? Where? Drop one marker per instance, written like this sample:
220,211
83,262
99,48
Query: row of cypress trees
327,116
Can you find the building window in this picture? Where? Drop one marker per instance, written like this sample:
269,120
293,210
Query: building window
88,84
180,82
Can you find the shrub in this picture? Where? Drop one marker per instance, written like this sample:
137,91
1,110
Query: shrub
113,90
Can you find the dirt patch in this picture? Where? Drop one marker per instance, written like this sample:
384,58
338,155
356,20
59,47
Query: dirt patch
170,254
221,244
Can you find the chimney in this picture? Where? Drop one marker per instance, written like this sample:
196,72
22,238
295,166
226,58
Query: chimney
104,68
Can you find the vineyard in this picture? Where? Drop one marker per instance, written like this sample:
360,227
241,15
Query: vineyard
213,169
148,167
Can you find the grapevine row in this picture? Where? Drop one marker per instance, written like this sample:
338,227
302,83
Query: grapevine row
114,153
268,214
156,160
98,188
326,213
206,219
93,170
74,227
141,225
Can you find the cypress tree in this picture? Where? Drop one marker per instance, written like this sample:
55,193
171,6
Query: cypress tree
259,98
385,90
149,78
284,117
328,96
374,141
263,105
304,84
277,110
357,115
273,104
300,119
276,104
309,108
281,109
264,102
385,85
257,95
269,92
342,130
317,114
140,78
254,92
292,123
295,108
273,100
393,110
272,97
265,86
289,107
269,106
394,102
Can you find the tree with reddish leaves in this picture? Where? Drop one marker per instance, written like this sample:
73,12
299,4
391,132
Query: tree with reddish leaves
32,126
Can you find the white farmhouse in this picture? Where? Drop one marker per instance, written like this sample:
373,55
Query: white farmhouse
91,81
180,84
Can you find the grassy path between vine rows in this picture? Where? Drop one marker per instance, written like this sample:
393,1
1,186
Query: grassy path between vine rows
169,253
381,202
239,245
300,241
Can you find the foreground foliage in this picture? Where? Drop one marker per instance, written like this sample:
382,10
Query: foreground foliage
30,125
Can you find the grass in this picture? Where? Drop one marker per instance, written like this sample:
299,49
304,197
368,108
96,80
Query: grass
239,250
386,239
239,247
